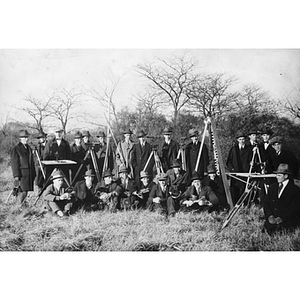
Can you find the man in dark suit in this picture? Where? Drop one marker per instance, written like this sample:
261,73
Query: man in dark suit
284,156
140,154
22,164
238,161
39,180
57,149
144,189
78,154
167,149
192,151
282,203
160,197
124,150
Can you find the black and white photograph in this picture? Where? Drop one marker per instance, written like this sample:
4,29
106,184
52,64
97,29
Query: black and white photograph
118,151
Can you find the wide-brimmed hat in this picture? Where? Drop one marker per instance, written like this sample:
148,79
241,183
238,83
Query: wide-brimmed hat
195,176
124,169
89,172
176,163
193,132
240,134
276,139
140,133
23,133
211,169
101,134
127,131
108,173
167,130
266,130
57,174
162,177
283,169
77,135
86,133
253,131
144,174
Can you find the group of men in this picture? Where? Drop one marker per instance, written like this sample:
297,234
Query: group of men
155,178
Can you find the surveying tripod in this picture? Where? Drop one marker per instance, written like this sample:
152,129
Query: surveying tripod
90,152
181,153
157,161
251,188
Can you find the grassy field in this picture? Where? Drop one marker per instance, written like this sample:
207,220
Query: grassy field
34,229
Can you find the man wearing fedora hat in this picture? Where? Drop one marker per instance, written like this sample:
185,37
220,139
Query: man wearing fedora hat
39,179
192,151
109,192
58,199
85,191
129,189
22,164
282,155
100,150
167,149
238,161
78,154
144,188
86,143
160,198
197,196
140,154
125,147
282,202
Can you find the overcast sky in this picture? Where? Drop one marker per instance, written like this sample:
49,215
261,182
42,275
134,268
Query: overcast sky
38,72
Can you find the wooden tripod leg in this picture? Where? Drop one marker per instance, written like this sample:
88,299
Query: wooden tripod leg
94,161
147,163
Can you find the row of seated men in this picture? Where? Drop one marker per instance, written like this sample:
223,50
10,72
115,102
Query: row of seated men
168,192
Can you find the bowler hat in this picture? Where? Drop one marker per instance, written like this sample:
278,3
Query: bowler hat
167,130
211,169
193,132
89,172
266,130
276,139
240,134
86,133
23,133
108,173
124,169
127,131
144,174
141,133
176,163
57,174
162,176
78,135
283,169
101,134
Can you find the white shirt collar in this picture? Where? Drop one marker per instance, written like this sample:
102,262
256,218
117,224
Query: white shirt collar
284,184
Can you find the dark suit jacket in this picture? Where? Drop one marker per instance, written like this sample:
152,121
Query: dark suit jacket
206,191
167,153
100,151
139,159
22,164
286,157
239,161
156,191
82,193
64,151
180,182
191,153
266,156
287,207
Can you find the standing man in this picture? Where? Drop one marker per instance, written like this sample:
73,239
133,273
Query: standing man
22,164
238,161
282,203
192,152
140,154
39,180
100,151
167,149
125,147
284,156
57,149
78,154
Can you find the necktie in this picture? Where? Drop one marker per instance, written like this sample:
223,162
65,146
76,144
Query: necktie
280,186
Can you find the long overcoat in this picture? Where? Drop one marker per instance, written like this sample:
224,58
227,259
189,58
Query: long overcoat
22,164
167,153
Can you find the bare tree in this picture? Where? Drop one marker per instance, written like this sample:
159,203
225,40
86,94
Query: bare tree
211,96
171,79
292,103
62,105
38,110
149,101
